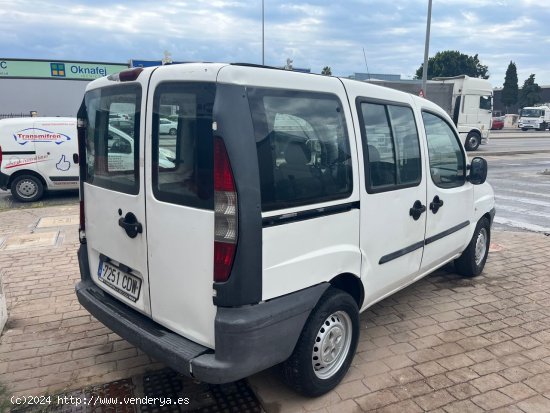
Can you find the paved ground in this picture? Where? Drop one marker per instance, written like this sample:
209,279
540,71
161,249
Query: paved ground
444,344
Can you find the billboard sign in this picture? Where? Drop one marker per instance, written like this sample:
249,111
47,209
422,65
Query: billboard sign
56,69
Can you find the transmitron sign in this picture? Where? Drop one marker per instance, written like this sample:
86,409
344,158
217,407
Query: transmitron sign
52,69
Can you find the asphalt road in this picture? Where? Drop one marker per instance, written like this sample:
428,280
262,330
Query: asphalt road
522,191
513,140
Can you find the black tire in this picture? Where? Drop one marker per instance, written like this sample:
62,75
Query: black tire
473,259
524,129
172,132
27,188
473,140
335,316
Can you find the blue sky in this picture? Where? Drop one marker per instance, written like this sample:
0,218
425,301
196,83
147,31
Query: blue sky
314,34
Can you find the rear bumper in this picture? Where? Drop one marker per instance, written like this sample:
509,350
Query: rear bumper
4,179
248,339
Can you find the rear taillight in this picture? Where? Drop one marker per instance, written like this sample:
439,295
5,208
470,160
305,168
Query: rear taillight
225,213
0,156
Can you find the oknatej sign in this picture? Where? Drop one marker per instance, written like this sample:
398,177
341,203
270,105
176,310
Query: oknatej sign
56,69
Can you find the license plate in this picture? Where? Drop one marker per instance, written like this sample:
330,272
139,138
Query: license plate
123,283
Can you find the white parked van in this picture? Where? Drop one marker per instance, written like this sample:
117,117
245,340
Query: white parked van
37,154
294,202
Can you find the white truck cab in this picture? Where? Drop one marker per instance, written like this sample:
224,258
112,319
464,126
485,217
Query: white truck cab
471,110
36,154
534,117
292,203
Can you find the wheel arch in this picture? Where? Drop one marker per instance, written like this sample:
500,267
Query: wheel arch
489,217
351,284
26,172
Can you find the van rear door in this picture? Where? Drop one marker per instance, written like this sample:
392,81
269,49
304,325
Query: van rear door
180,200
114,192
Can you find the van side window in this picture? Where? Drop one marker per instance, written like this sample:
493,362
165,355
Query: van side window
303,147
447,160
112,154
182,144
391,147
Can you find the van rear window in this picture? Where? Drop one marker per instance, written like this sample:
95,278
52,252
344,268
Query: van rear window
303,147
182,144
112,137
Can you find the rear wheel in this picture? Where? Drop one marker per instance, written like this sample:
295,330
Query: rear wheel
472,261
326,346
172,131
473,140
27,188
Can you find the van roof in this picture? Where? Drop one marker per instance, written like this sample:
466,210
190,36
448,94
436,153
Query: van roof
242,68
48,119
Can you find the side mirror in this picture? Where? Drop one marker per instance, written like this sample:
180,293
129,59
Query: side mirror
478,171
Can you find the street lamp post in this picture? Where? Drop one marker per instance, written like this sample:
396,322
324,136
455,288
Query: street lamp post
263,34
427,49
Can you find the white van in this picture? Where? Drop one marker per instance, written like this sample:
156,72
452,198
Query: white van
295,201
37,154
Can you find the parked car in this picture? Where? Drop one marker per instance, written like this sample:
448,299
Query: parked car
497,123
287,212
120,147
124,125
167,127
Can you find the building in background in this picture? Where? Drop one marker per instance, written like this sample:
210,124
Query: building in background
47,87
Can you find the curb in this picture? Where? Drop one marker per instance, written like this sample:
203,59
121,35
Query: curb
503,135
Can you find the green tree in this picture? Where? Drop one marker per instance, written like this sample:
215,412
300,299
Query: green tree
510,88
327,71
453,63
529,94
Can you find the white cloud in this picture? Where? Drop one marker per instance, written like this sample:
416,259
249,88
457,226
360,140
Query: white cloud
315,33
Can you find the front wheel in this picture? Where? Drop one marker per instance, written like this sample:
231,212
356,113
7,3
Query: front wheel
473,140
326,346
27,188
473,259
172,132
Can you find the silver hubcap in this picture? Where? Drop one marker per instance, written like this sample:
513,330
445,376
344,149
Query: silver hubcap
27,188
473,141
481,246
332,345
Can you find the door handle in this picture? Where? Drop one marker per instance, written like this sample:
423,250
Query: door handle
130,224
417,210
436,204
